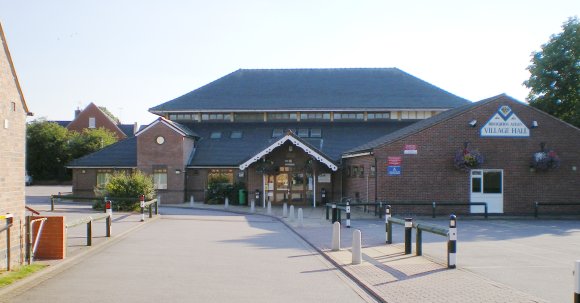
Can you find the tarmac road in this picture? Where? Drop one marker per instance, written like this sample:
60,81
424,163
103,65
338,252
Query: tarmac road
201,256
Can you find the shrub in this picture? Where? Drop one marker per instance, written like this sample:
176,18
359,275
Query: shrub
122,185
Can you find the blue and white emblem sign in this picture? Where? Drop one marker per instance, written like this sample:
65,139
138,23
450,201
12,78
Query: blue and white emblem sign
505,124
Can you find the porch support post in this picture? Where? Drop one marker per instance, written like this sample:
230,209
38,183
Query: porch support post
314,187
263,190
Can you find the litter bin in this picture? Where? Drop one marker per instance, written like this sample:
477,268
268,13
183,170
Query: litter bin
242,194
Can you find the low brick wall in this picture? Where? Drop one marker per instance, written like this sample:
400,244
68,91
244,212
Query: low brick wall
52,244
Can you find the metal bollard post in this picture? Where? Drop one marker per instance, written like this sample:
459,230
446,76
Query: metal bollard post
51,203
347,215
334,213
150,210
142,204
452,242
356,247
291,216
389,234
335,236
408,235
156,207
109,207
434,206
191,201
108,224
90,233
327,209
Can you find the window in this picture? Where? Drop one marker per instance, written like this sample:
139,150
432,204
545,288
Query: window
13,106
216,117
354,171
373,170
277,132
378,116
349,116
492,182
348,171
315,133
303,132
282,116
215,135
236,134
315,116
249,117
362,171
103,177
92,123
223,176
160,178
183,117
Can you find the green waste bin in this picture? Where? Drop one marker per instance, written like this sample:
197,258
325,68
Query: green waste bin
242,194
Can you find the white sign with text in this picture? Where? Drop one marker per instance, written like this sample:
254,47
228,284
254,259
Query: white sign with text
505,123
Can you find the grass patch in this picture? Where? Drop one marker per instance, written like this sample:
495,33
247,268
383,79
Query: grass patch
7,278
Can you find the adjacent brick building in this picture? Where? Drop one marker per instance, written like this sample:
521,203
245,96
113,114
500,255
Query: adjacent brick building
93,117
13,113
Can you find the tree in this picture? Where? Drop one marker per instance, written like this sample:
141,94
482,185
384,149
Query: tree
46,150
555,75
90,141
125,185
110,114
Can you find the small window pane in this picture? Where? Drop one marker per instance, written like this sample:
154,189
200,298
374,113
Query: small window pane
303,132
92,122
236,135
315,133
492,182
475,185
277,132
215,135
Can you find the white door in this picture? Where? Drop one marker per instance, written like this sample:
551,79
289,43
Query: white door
487,186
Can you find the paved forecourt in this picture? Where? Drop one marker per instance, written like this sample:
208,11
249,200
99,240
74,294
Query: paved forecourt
200,256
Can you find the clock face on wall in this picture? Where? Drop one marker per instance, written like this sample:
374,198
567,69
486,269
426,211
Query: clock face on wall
160,140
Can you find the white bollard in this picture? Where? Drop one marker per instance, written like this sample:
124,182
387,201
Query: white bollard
284,210
336,236
577,282
191,201
158,199
291,216
356,247
300,217
269,209
253,206
227,203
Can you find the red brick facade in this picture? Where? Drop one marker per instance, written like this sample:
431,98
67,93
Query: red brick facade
52,242
431,175
81,122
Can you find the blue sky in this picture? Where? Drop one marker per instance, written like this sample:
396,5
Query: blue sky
131,55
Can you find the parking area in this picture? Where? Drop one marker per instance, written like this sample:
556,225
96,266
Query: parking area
535,256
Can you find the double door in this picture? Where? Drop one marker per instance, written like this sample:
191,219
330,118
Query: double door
288,186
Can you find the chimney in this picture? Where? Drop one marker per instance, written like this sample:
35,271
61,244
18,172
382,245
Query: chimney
135,128
77,112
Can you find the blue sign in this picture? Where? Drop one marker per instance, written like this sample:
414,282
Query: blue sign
394,170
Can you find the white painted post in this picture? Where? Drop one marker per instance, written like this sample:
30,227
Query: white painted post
314,191
336,236
253,206
292,213
227,203
191,201
263,190
300,217
577,282
269,209
356,247
158,199
284,210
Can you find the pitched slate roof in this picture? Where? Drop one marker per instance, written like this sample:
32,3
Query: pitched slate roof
178,127
127,129
336,138
313,89
120,154
62,123
421,125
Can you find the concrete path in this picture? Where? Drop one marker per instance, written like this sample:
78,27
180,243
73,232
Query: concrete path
199,256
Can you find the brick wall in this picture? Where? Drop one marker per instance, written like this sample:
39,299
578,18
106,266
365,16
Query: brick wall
52,243
361,185
81,122
431,176
12,152
170,154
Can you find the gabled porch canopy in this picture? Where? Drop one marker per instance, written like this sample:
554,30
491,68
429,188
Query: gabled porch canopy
297,141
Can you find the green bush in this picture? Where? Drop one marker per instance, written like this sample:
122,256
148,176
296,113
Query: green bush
219,188
122,185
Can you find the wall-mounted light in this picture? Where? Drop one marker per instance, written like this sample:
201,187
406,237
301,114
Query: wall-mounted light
534,124
290,148
241,174
83,171
177,171
473,123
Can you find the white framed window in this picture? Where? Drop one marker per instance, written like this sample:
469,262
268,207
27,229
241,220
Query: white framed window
103,177
92,122
160,178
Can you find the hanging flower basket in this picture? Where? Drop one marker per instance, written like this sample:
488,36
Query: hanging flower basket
544,160
465,158
267,168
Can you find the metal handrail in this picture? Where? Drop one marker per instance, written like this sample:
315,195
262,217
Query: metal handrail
89,221
33,246
538,204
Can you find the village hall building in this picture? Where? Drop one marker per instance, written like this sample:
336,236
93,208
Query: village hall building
310,136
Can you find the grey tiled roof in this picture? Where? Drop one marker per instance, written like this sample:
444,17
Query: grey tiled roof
314,89
127,129
62,123
423,124
336,138
120,154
